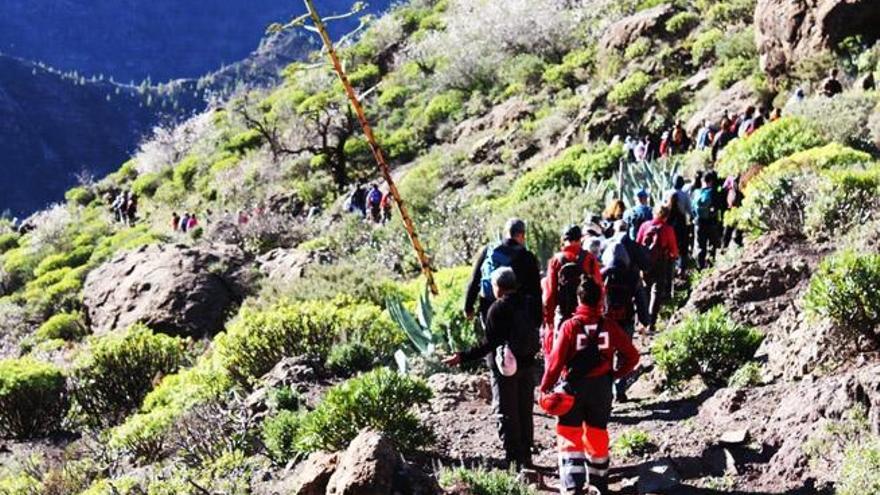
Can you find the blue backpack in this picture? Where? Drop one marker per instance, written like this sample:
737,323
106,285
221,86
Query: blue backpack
497,256
704,207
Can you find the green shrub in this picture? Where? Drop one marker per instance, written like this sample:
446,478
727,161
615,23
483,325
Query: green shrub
349,359
709,344
443,107
847,198
257,340
185,172
860,471
115,372
280,433
393,95
81,196
525,69
32,398
636,49
846,118
576,167
632,443
72,259
771,142
682,22
365,76
669,94
381,399
631,90
728,12
402,144
147,184
737,45
732,71
703,48
284,399
57,290
846,290
749,375
64,326
574,68
243,142
484,482
8,241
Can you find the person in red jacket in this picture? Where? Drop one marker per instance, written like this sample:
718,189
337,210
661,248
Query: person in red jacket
659,239
572,251
583,357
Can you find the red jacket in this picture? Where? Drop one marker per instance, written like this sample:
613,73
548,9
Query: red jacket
667,236
551,282
612,341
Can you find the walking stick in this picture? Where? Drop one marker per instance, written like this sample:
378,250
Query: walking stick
374,146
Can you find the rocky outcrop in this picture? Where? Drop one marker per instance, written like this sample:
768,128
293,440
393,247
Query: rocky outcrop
733,100
499,118
285,265
645,23
174,289
366,468
787,31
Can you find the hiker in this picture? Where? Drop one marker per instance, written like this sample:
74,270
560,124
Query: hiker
192,223
510,345
664,144
624,292
387,204
359,200
642,150
374,203
868,83
118,204
758,120
583,357
629,146
614,211
131,209
724,136
510,252
243,218
831,86
642,213
775,115
707,214
175,221
184,223
734,197
704,136
744,122
679,142
680,219
797,96
658,237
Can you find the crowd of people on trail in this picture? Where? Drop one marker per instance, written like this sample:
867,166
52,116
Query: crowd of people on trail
124,206
611,276
370,203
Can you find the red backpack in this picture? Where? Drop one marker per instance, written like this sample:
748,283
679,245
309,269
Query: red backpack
656,252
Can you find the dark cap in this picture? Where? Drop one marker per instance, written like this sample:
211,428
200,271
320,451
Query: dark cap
572,233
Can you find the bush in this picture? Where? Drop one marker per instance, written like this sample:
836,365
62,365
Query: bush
844,118
115,372
64,326
349,359
402,144
632,443
483,482
393,95
846,290
847,198
32,398
443,107
771,142
631,90
381,399
682,23
280,433
732,71
669,94
80,196
365,76
636,49
576,167
575,68
749,375
242,142
284,399
146,184
257,340
860,471
728,12
8,240
708,344
703,48
77,257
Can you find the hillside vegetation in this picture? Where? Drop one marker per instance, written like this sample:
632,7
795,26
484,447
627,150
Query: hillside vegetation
116,380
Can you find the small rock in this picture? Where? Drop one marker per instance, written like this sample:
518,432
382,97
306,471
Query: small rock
657,477
734,437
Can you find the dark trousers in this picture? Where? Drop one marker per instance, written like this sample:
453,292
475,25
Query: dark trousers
708,241
732,234
512,401
622,384
682,238
659,282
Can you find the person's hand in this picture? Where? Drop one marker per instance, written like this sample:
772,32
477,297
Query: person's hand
453,360
469,314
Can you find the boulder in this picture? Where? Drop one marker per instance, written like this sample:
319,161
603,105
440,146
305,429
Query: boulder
787,31
648,22
657,477
175,289
367,467
291,372
284,265
732,100
313,475
498,118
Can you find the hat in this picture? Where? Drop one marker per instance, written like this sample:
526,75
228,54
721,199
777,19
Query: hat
572,233
557,403
642,193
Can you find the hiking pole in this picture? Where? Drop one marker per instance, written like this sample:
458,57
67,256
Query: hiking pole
374,146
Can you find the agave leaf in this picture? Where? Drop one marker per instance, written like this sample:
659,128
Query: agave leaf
420,336
426,311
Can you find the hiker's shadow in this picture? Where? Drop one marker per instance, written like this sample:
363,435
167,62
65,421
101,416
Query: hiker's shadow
668,410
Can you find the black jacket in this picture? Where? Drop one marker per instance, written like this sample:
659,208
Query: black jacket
504,315
528,277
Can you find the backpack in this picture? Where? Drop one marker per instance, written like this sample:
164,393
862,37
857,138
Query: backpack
524,339
567,282
588,358
704,206
619,294
375,197
497,256
656,252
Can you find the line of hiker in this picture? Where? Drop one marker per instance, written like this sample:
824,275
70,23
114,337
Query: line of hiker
609,277
124,206
370,203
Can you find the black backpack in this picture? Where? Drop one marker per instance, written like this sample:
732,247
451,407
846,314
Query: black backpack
619,293
588,358
567,282
524,338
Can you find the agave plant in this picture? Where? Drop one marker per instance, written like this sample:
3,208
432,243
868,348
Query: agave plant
655,176
418,327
